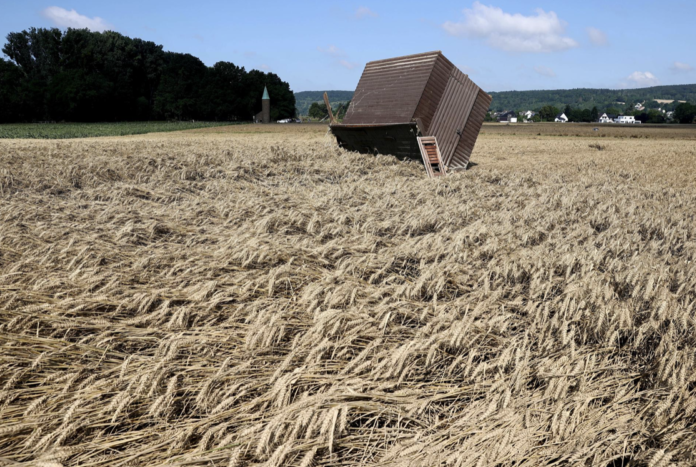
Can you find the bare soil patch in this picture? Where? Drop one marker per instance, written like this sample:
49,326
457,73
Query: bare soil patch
587,130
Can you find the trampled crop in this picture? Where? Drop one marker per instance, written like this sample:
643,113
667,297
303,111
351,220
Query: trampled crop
239,298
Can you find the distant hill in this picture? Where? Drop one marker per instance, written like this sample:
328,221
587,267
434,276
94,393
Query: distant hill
534,100
305,98
588,98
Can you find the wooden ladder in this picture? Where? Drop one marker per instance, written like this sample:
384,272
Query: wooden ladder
431,156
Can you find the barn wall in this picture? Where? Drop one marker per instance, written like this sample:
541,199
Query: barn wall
462,154
396,140
449,121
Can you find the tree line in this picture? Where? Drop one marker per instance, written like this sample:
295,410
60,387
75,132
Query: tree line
305,99
603,99
83,76
319,111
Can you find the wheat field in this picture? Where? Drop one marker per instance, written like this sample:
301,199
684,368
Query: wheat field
257,296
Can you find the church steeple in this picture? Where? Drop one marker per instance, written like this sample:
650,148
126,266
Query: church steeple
265,107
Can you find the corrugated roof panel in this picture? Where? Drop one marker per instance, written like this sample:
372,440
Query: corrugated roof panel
389,90
412,57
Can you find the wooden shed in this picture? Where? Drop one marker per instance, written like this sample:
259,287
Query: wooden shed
405,105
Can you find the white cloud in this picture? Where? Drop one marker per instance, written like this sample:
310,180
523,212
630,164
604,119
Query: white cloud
339,56
347,64
680,67
332,50
545,71
265,67
642,79
72,19
364,12
597,36
542,32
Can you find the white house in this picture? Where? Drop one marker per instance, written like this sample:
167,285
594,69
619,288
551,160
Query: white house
625,119
507,117
561,118
529,114
606,118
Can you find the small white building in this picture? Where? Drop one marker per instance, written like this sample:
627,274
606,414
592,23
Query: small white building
606,118
529,114
507,117
625,119
561,118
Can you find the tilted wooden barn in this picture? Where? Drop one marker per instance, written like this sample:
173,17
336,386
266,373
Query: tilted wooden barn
417,106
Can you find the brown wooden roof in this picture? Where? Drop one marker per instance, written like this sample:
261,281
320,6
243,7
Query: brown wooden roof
427,89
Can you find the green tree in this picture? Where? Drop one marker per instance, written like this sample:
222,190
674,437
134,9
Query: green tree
177,96
548,113
584,115
685,113
37,53
317,110
651,116
221,97
12,93
78,95
594,114
573,114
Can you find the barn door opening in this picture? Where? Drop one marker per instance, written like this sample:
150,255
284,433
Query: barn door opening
431,157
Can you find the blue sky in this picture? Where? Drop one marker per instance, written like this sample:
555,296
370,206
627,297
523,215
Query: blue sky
317,45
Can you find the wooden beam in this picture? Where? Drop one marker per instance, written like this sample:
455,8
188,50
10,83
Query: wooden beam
328,108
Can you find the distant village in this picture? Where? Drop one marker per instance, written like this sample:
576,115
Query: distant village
633,114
